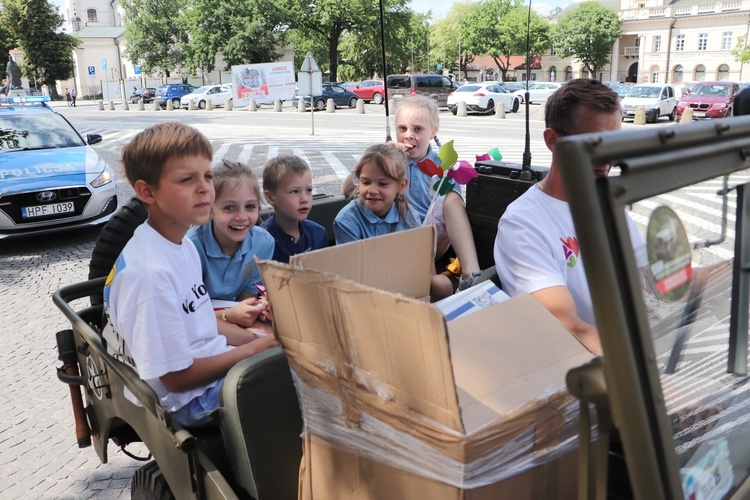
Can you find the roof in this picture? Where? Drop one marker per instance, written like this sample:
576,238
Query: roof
536,63
101,32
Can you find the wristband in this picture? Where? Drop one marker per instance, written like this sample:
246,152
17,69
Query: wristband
224,314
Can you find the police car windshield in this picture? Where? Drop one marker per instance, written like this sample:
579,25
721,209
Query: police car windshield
36,131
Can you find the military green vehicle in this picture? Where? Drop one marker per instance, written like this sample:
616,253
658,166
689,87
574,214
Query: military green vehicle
670,392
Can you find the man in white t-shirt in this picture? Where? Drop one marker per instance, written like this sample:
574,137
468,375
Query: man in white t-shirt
536,248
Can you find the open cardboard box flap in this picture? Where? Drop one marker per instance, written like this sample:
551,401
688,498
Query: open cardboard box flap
473,371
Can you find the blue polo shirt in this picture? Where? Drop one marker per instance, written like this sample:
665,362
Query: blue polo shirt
226,277
419,192
356,222
312,236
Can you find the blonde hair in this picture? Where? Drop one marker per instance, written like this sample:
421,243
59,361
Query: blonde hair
229,171
392,162
145,156
276,168
424,105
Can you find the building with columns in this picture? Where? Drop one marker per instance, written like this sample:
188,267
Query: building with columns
663,41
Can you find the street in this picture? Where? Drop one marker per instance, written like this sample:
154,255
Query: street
39,457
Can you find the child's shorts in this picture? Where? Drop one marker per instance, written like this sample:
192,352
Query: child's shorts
197,413
436,218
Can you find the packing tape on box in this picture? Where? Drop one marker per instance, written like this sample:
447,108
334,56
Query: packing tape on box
325,417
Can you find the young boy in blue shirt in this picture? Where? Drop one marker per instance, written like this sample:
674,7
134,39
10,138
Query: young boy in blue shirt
287,186
160,317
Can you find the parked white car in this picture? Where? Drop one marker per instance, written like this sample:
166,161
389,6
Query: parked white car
538,92
483,97
217,94
658,99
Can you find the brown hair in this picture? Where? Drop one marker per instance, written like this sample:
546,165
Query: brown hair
229,171
564,104
144,157
392,162
276,168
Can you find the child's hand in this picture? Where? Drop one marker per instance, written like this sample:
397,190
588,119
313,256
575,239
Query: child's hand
247,312
405,147
267,315
262,343
260,329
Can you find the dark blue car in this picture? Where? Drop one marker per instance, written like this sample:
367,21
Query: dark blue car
173,92
340,96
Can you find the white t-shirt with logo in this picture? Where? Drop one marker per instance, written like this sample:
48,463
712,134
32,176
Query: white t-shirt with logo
536,247
160,312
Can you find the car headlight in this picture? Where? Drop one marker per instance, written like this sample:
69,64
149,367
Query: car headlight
104,178
719,105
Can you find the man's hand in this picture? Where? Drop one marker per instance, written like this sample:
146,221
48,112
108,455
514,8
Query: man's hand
247,312
559,302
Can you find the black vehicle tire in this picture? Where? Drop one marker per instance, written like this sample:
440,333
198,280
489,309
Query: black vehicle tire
176,103
353,102
377,98
454,110
655,117
115,234
149,484
516,105
673,114
320,104
202,104
490,107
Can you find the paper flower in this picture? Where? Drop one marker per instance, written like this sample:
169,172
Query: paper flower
448,169
492,154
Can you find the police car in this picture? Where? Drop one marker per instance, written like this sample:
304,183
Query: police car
50,177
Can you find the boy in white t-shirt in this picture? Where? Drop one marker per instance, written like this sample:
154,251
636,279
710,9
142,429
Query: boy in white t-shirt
160,317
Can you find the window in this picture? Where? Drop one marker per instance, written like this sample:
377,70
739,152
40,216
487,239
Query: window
679,46
702,41
568,73
654,70
552,51
678,77
726,40
552,74
723,72
657,43
91,14
700,73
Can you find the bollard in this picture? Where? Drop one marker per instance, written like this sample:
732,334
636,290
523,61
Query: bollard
156,106
209,105
461,108
640,116
252,106
229,105
101,105
301,107
277,105
141,106
361,106
330,106
170,106
392,106
542,109
111,105
500,110
125,106
191,106
687,116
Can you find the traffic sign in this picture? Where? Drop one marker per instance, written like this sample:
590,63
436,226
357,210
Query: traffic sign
137,70
104,63
310,65
92,70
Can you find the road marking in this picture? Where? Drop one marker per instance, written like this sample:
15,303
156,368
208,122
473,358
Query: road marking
338,167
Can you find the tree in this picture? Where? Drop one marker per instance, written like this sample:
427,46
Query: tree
588,33
499,29
32,26
156,35
244,32
449,36
325,22
741,52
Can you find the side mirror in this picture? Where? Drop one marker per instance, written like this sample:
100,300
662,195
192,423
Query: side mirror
93,138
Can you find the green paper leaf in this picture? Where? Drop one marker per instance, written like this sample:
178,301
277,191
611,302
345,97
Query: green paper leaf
447,155
445,188
495,154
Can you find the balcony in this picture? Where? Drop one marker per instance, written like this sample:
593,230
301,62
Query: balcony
632,51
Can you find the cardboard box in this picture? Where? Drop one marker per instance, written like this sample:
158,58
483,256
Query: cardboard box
399,404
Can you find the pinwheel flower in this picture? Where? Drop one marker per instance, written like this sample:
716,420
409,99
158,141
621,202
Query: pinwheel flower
448,170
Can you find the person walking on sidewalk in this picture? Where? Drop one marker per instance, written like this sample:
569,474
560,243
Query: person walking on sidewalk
73,97
68,97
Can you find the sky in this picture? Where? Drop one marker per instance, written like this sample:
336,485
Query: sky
441,7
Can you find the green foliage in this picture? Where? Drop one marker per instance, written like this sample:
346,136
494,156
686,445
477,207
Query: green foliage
32,26
450,35
499,30
741,52
156,34
244,32
588,33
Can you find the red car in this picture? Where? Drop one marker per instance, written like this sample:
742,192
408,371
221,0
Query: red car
709,100
370,90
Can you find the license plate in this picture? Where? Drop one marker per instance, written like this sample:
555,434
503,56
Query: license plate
52,209
699,114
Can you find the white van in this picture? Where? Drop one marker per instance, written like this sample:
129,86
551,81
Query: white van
658,99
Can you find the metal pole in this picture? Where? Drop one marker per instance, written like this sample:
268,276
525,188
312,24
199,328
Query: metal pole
312,97
385,72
